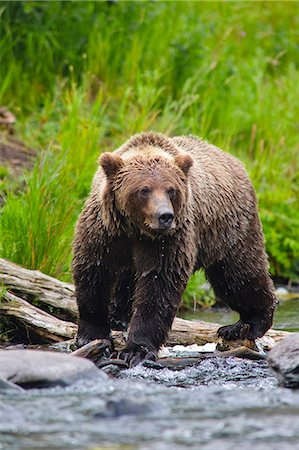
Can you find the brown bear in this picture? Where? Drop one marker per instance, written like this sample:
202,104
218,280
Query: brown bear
161,208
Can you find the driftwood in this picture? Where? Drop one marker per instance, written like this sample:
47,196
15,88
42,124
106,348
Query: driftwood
35,285
27,286
46,326
187,332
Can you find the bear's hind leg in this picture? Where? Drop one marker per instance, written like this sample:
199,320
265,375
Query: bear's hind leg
250,294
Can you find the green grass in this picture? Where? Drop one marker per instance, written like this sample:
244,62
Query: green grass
84,76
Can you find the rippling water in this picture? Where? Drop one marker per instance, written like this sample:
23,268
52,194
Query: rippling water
221,404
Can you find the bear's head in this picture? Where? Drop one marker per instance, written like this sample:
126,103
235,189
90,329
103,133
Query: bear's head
149,190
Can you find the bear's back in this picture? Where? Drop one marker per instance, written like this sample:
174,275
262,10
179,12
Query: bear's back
207,157
223,198
217,178
210,158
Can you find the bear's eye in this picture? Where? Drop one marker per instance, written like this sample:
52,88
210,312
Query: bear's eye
144,192
171,192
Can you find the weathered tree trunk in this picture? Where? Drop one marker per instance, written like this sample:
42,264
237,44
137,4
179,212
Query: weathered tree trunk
46,326
33,286
52,329
188,332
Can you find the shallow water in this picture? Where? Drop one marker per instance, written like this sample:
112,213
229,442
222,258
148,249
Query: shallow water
286,315
221,404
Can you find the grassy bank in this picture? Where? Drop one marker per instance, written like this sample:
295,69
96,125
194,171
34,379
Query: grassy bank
84,76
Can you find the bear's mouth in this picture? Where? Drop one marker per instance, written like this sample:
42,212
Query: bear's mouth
158,229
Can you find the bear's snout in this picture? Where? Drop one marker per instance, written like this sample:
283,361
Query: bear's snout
165,220
160,212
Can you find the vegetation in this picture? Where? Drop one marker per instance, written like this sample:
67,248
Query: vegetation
84,76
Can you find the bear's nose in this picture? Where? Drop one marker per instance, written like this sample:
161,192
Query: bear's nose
165,219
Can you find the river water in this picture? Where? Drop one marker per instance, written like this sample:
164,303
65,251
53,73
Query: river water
221,404
286,315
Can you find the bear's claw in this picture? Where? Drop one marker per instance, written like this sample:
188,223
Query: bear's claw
239,330
136,355
255,328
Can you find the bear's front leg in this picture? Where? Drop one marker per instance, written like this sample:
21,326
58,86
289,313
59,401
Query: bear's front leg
93,286
160,283
92,290
155,304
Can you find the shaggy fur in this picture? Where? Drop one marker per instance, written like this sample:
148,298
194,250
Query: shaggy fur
129,270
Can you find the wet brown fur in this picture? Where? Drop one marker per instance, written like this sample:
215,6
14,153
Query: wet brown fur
127,272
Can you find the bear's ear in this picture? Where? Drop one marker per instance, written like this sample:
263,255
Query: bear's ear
184,162
111,163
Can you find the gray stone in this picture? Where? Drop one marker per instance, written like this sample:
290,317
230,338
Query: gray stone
36,368
284,361
124,407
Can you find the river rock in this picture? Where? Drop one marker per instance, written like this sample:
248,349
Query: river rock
284,361
124,407
37,368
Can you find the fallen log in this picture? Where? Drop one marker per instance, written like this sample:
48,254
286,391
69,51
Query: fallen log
35,285
188,332
46,326
52,329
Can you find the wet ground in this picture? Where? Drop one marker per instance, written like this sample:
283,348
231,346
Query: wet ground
221,404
